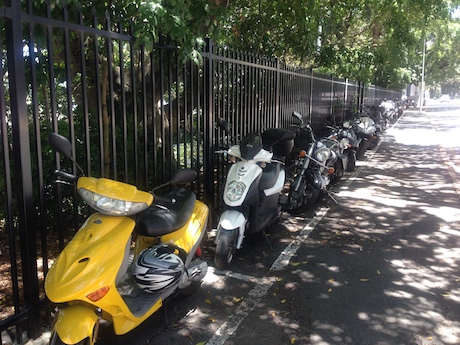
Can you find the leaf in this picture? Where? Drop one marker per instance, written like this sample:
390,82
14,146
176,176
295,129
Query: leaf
211,319
295,263
283,300
364,280
293,340
237,300
279,279
330,290
378,272
331,280
208,301
202,343
344,251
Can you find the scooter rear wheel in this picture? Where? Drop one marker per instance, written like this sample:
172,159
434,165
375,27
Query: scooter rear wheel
194,285
55,340
225,247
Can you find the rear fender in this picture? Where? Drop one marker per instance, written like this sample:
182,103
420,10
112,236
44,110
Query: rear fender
75,323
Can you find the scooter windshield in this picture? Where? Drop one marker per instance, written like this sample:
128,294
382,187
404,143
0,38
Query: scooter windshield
250,145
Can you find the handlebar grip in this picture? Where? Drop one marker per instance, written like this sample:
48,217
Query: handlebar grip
65,175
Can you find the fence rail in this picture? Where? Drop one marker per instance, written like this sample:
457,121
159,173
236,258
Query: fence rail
131,114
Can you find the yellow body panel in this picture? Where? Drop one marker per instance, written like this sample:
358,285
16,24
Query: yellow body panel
91,260
75,323
114,189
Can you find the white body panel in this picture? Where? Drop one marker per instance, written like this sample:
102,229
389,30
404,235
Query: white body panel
232,219
278,185
241,171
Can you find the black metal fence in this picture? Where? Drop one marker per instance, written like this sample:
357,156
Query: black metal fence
132,115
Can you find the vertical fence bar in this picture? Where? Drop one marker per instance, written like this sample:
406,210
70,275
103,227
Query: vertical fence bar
22,159
9,213
208,140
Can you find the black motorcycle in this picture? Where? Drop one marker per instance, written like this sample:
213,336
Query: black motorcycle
316,167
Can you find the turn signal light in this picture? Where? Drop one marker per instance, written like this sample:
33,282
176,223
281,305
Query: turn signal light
331,171
98,294
302,153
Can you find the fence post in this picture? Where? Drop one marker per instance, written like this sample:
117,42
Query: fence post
277,93
22,163
209,123
310,108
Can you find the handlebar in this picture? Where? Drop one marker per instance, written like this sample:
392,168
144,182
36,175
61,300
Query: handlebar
65,175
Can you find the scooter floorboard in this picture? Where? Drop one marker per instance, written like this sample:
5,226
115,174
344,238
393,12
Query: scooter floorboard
137,300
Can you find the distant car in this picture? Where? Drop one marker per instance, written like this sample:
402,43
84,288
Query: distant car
445,98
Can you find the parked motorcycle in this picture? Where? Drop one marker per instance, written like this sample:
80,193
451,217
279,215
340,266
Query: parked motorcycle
98,277
252,189
347,144
316,168
367,134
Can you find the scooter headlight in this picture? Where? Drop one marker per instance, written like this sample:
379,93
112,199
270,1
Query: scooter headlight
110,206
235,190
322,154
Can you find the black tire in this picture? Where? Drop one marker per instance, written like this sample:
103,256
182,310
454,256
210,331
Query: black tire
225,247
362,149
304,198
351,166
55,340
338,173
195,284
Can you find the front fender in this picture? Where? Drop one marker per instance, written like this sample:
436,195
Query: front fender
75,323
315,179
231,220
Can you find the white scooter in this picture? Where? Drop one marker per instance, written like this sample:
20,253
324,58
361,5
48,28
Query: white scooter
252,189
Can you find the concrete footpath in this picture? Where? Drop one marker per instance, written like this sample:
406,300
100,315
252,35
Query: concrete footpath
381,267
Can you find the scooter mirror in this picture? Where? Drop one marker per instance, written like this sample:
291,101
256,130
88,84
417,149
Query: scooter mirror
223,124
297,115
60,144
183,176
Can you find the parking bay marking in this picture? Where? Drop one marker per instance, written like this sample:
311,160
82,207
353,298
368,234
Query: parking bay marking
263,284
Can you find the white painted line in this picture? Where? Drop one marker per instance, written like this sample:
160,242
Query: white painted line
248,304
283,259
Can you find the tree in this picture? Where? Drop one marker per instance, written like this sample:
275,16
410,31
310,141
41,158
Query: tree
377,41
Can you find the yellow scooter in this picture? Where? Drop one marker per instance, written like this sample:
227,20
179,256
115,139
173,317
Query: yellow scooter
98,277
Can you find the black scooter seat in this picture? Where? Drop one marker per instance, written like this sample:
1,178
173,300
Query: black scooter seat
167,213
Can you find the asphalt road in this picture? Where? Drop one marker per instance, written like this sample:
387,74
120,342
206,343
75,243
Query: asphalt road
381,267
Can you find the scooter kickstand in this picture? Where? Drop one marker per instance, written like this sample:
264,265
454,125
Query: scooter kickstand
266,238
329,194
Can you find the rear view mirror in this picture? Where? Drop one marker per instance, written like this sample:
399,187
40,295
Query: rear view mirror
60,144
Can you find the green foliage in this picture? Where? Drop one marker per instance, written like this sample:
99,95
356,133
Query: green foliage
184,22
373,41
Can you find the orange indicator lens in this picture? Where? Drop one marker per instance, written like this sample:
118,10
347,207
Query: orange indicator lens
98,294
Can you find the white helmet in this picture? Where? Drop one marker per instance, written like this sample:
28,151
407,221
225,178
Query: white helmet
158,267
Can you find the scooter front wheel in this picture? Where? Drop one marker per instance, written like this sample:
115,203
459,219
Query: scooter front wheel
55,340
225,247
